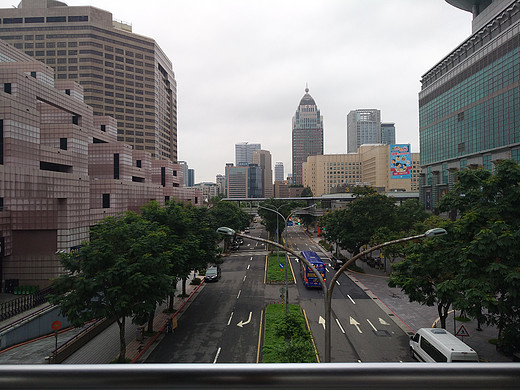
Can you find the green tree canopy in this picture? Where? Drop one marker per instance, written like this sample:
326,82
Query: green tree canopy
123,271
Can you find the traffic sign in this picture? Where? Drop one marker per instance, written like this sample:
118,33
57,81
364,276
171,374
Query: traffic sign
462,332
281,265
56,325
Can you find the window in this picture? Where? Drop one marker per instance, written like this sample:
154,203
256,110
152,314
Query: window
56,19
75,119
13,20
67,91
116,166
138,163
106,201
103,127
35,20
7,88
432,351
163,176
78,18
63,143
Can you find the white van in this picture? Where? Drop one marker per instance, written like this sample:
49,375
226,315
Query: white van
438,345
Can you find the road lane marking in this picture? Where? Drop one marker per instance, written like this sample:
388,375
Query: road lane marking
248,266
239,292
355,323
245,276
383,322
216,357
230,317
260,337
242,323
343,330
349,297
251,259
338,283
321,321
373,327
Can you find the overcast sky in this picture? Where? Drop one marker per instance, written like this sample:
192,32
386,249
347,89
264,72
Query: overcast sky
241,66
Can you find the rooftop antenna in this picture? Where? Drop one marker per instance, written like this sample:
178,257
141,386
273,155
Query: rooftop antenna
307,87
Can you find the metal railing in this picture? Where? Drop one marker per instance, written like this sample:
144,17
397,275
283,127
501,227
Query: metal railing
23,303
264,376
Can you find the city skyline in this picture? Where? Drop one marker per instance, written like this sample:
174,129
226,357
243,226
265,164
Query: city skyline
258,75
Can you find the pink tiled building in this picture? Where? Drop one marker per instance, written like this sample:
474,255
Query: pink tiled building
62,169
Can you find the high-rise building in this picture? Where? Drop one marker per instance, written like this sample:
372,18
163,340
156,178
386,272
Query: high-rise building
191,177
469,103
278,171
244,153
185,168
221,183
388,133
307,134
363,127
124,75
262,158
244,181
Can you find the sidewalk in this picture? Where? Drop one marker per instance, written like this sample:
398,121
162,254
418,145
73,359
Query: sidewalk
411,316
104,348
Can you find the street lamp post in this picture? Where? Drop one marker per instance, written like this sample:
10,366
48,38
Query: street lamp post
327,292
328,300
285,219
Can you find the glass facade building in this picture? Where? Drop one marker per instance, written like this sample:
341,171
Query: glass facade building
469,103
307,135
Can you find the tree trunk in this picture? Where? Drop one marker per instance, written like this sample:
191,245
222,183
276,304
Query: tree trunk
442,309
122,340
150,321
170,304
184,287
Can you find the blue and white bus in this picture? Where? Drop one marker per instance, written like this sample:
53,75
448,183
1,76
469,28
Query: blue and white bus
309,278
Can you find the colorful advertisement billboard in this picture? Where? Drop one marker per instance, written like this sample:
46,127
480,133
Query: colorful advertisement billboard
400,162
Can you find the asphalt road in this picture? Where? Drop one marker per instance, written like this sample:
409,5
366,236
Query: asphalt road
223,324
360,331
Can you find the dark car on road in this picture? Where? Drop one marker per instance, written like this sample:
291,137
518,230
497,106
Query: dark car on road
212,274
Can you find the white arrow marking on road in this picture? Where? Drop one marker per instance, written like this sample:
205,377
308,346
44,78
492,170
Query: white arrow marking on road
241,323
355,323
239,292
343,330
216,357
383,322
321,321
297,260
349,297
373,327
231,316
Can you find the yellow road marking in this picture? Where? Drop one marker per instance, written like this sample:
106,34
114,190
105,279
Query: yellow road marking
259,337
312,338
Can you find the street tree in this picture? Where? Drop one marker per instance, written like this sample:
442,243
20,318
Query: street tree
354,226
488,206
428,272
123,271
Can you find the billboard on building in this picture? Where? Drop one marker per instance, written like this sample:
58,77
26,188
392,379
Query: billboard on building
400,161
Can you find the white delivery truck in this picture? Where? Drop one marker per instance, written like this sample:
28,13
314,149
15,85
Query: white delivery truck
438,345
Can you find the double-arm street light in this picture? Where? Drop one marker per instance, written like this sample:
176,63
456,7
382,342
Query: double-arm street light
285,219
327,292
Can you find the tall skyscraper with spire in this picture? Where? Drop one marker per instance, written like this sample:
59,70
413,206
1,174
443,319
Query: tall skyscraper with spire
307,134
